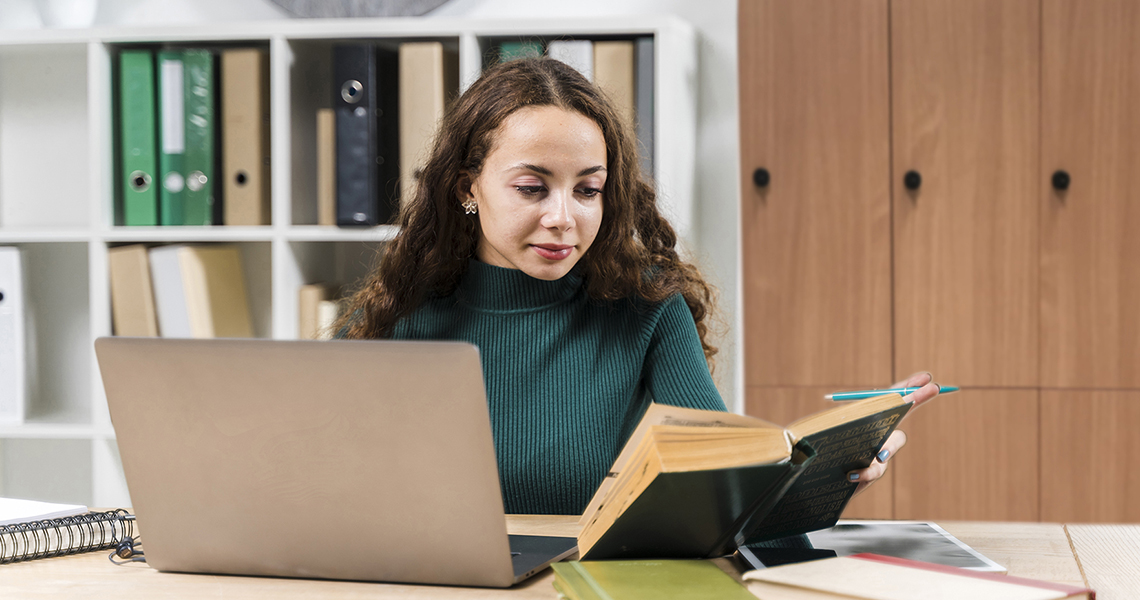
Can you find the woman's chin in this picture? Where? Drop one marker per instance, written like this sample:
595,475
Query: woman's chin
550,271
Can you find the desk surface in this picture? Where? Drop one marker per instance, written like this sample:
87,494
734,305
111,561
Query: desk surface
1104,557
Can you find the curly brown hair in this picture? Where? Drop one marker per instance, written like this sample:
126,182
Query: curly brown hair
633,255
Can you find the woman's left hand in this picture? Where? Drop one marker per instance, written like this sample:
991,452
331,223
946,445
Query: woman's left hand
928,390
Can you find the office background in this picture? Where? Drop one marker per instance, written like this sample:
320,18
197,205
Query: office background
991,452
714,238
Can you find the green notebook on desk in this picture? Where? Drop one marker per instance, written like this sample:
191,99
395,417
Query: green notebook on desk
638,579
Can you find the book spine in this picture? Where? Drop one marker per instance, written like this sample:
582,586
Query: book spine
427,76
326,167
137,140
132,294
614,74
68,535
245,136
645,99
356,101
172,128
198,89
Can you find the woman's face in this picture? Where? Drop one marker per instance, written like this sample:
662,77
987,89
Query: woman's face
539,194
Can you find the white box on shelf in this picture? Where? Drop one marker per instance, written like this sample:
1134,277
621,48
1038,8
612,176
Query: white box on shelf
13,369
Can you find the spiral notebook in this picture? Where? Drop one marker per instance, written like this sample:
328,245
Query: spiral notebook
31,529
361,460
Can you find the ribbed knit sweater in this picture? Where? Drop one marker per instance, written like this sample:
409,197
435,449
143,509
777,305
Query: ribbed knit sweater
567,377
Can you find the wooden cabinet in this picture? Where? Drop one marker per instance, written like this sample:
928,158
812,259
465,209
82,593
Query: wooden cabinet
1090,456
1090,253
815,116
971,456
1020,292
964,115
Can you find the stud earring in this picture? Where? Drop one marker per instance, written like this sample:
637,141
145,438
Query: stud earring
470,207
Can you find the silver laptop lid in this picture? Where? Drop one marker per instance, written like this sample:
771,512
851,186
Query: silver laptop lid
343,460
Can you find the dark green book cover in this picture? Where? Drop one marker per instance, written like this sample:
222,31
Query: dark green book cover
818,496
695,514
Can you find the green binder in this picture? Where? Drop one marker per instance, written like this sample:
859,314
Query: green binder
172,138
138,186
198,159
522,49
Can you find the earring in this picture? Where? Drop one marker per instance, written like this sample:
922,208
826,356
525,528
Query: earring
470,207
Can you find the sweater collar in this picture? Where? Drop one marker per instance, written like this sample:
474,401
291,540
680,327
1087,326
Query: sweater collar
488,287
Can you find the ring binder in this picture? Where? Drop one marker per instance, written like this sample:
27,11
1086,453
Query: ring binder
64,536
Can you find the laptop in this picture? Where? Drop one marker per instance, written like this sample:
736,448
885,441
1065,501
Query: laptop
355,460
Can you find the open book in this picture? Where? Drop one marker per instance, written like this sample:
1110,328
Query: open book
694,483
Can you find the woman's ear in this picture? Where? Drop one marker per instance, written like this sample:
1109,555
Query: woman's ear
463,186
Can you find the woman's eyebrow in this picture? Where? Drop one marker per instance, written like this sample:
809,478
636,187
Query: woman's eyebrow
591,171
544,171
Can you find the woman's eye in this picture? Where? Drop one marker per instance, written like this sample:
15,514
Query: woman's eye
589,192
529,190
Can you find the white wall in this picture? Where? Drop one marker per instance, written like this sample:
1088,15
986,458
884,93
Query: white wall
716,245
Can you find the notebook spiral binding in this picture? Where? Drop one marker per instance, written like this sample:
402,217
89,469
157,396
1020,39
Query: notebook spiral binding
68,535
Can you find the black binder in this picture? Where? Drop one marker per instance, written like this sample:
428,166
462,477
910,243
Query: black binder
366,102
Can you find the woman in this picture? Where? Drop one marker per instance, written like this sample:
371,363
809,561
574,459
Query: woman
533,235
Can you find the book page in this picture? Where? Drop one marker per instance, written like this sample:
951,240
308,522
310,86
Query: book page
662,414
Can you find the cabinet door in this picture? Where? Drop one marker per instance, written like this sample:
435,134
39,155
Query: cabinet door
1090,257
1090,456
816,239
970,456
965,94
784,405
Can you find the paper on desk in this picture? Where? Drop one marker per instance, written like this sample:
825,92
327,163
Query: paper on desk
13,510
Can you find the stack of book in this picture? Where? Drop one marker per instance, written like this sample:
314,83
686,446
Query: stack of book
179,291
192,144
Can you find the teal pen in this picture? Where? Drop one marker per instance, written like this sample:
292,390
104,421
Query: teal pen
860,395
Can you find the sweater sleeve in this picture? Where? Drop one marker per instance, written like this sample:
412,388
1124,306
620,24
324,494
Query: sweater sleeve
675,371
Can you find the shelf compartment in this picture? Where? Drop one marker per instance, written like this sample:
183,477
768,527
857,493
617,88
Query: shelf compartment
44,136
57,326
49,470
345,264
310,89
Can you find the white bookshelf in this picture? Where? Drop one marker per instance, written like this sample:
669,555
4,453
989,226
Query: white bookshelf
57,202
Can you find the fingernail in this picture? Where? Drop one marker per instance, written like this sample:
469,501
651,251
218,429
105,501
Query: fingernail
884,455
852,477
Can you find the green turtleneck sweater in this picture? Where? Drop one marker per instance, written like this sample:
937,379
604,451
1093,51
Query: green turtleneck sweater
567,377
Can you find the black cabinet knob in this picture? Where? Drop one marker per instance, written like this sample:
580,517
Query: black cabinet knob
1061,180
912,180
761,177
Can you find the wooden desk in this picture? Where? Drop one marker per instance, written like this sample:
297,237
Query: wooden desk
1105,557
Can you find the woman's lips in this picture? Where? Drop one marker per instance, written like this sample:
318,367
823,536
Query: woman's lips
552,251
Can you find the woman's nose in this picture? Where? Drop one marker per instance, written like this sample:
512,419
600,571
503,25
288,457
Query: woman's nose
557,213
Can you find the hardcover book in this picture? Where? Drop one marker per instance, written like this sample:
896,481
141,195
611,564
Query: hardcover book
875,577
645,579
693,484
